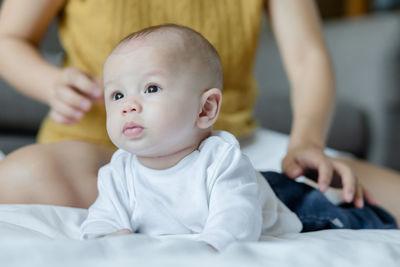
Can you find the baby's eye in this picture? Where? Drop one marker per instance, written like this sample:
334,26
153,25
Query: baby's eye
152,89
117,96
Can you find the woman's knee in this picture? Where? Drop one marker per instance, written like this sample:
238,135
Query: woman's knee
62,174
55,159
26,172
26,162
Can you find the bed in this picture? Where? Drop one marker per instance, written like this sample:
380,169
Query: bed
45,235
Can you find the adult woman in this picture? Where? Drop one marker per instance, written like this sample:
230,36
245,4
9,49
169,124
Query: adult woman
66,167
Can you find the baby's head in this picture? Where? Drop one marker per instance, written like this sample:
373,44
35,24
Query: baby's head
162,90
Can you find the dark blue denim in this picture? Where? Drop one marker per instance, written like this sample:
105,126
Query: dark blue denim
316,212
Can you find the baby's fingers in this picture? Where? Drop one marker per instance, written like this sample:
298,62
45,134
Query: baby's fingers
120,232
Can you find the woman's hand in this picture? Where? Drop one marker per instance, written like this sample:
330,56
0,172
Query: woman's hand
74,93
301,160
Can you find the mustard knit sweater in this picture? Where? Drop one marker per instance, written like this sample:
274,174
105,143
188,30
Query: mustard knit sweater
89,29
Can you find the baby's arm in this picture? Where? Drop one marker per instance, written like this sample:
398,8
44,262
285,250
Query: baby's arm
109,214
234,209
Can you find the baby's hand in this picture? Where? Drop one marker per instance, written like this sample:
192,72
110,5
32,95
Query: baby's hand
120,232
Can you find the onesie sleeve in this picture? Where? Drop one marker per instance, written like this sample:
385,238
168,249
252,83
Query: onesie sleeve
109,213
235,212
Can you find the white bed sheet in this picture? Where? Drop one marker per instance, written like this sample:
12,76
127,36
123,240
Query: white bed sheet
44,235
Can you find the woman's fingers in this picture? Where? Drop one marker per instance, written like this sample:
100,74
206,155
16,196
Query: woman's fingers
72,98
302,159
291,167
359,197
352,190
82,83
331,172
68,113
325,174
368,197
74,94
348,179
59,118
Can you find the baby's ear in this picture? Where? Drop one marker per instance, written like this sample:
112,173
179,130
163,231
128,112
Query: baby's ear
210,104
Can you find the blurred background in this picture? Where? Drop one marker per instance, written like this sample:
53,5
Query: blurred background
363,37
331,9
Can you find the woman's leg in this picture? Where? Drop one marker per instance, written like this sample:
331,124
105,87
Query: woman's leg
62,173
383,184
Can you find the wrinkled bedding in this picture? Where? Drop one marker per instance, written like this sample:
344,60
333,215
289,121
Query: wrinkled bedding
42,235
45,235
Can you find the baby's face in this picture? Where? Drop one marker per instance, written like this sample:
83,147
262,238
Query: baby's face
152,99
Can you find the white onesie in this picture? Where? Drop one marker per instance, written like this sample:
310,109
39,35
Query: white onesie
213,193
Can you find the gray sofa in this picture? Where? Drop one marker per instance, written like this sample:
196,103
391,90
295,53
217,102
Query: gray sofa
365,54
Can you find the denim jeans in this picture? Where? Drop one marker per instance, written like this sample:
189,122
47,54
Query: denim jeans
316,212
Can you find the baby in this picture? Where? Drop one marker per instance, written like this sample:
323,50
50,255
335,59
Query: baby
172,174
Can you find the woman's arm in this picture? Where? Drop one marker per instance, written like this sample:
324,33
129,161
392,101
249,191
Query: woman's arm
300,39
22,27
23,24
297,29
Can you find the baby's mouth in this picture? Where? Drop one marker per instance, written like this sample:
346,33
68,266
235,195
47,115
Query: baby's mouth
132,129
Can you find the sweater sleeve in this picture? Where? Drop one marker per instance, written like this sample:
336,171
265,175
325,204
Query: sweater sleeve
235,212
109,213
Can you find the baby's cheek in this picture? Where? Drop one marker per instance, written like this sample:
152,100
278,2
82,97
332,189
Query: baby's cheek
112,128
167,122
175,117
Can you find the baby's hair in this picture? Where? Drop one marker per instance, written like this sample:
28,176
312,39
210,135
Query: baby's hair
194,43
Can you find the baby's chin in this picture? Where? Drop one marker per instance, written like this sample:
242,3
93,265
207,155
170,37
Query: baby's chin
159,152
152,151
155,154
159,148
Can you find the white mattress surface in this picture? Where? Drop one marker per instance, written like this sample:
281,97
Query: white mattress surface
45,235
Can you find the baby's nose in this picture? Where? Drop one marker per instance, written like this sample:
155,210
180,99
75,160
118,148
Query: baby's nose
131,106
126,110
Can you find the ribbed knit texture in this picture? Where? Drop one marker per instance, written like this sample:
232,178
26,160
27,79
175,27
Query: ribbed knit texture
89,29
